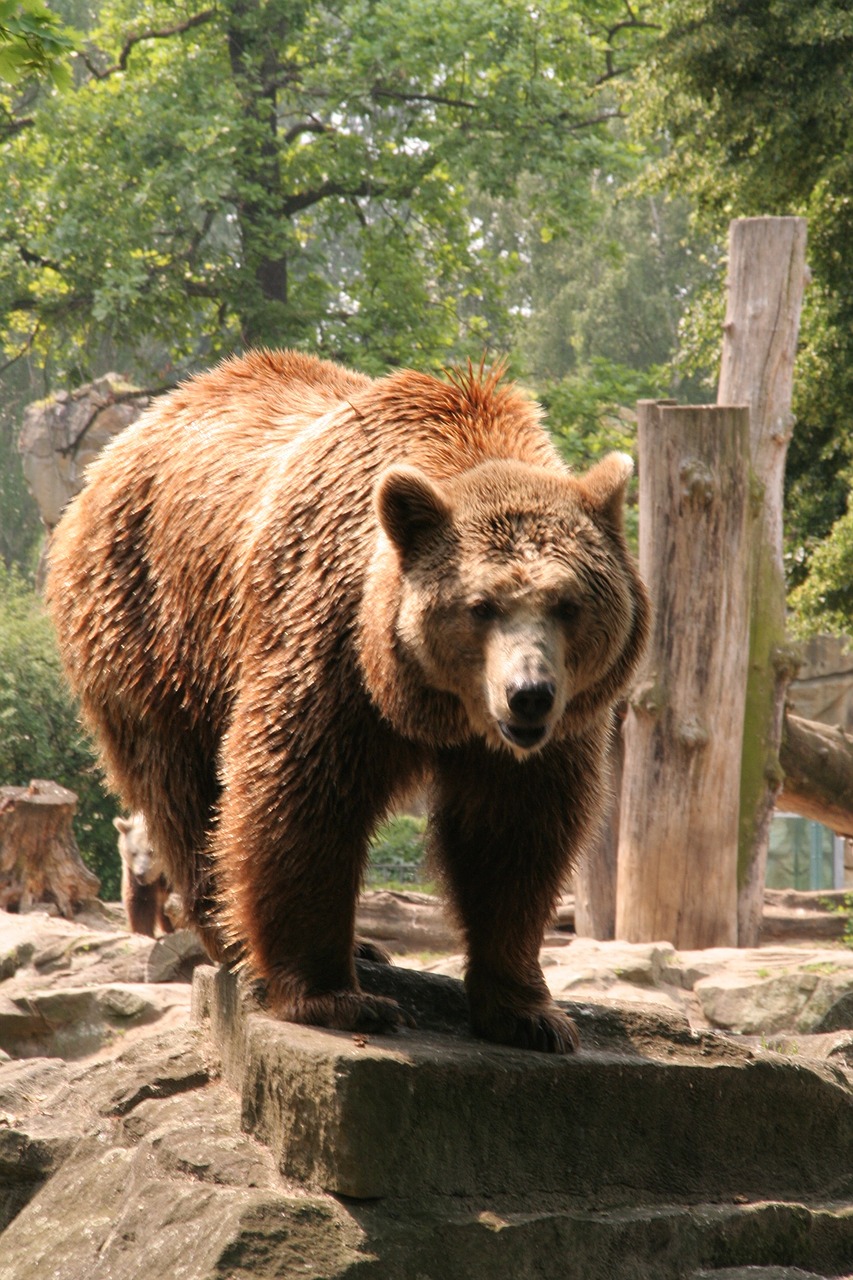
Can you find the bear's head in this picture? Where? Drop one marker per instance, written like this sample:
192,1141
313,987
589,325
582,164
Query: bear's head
516,598
134,845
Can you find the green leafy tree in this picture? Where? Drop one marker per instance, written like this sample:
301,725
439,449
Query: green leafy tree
34,44
597,303
20,526
296,173
753,99
40,735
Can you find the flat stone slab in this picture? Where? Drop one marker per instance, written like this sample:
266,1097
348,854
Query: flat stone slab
649,1112
759,991
139,1168
74,1022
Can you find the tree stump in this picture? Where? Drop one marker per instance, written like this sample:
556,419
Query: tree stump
678,836
39,858
765,292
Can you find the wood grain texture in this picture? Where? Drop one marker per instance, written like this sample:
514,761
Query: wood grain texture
679,823
765,290
39,858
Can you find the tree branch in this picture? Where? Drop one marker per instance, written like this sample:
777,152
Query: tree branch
12,126
28,345
591,121
150,33
122,397
367,187
378,91
36,260
306,126
817,760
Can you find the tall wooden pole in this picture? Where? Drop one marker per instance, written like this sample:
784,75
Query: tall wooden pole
765,291
678,837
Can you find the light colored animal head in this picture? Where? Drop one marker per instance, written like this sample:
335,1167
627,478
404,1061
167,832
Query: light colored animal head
135,848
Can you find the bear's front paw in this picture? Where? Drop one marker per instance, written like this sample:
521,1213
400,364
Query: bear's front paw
341,1011
546,1030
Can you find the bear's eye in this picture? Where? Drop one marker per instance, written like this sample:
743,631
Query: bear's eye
566,610
485,610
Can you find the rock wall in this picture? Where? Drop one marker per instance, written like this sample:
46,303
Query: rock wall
823,688
61,435
231,1146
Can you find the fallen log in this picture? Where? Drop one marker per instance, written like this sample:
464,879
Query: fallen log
817,760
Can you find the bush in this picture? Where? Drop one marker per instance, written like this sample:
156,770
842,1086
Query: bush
40,735
824,602
396,853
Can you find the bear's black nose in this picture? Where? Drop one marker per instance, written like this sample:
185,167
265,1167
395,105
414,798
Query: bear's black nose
531,700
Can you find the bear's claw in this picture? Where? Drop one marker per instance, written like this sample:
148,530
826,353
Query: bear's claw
544,1030
339,1010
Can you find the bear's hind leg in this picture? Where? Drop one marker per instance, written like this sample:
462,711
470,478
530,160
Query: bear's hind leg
160,766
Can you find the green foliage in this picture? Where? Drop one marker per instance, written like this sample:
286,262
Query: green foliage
33,43
299,174
40,736
591,412
20,527
753,100
397,853
842,908
615,289
824,600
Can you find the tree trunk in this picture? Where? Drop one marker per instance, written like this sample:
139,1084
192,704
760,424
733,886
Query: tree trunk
254,46
39,858
595,875
817,761
678,831
765,284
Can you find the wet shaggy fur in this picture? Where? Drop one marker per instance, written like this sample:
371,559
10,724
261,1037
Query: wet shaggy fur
290,593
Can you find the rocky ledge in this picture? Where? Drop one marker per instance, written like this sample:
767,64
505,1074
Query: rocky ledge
208,1140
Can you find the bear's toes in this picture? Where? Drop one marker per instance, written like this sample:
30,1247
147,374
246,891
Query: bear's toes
366,950
349,1011
545,1030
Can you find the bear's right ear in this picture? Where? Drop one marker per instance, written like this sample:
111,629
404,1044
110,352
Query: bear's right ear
411,509
122,824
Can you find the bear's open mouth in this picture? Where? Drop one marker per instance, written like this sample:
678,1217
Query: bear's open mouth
522,735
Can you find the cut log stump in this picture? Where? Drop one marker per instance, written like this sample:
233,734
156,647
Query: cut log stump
39,857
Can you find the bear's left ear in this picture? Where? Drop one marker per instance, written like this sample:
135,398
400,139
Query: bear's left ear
604,485
411,509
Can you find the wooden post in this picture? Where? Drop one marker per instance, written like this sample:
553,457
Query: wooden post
679,825
765,290
39,858
595,875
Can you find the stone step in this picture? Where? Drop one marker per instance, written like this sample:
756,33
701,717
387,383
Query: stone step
649,1113
763,1241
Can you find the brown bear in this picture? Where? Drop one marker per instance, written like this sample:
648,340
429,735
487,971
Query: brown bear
289,594
144,887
